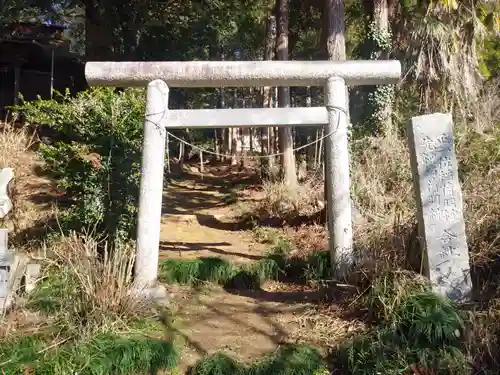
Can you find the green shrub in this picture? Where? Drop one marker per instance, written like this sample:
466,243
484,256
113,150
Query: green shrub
97,159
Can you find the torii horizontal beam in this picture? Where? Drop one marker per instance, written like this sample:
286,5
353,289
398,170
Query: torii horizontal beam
241,73
247,117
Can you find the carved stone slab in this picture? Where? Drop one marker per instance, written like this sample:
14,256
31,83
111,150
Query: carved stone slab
6,176
445,256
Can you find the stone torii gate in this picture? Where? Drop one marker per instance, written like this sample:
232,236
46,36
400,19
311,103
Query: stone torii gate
159,76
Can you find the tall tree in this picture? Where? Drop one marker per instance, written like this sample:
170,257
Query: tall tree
334,15
98,31
334,34
285,134
379,44
269,48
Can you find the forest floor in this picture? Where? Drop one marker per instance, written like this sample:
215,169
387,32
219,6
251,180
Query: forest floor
200,220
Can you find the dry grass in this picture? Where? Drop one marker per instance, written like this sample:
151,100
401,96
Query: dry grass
383,191
382,188
84,290
487,113
484,337
480,159
104,278
84,278
308,239
280,201
322,326
14,143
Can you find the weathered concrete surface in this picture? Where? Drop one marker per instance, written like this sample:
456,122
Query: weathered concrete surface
440,207
151,186
242,73
337,181
237,118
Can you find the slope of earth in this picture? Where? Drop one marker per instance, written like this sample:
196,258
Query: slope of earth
200,221
33,194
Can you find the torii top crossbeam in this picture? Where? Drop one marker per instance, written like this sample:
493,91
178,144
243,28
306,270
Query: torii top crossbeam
242,73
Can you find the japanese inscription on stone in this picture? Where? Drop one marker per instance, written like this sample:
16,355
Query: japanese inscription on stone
439,204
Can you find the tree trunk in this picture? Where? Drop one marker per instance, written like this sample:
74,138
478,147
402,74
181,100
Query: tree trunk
226,133
334,35
381,42
98,36
167,147
234,134
181,155
269,48
311,133
234,143
285,134
216,145
244,132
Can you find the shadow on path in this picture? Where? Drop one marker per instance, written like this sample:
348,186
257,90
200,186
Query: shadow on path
181,247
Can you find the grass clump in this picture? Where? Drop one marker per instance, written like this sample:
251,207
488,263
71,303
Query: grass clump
105,353
217,364
194,271
219,271
88,321
389,290
318,266
280,243
424,332
288,360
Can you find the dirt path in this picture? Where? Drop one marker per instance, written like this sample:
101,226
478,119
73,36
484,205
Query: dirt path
198,222
198,215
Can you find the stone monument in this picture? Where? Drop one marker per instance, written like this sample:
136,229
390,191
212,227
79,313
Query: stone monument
444,252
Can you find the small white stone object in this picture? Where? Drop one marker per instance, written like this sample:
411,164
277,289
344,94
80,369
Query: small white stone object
32,274
6,175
